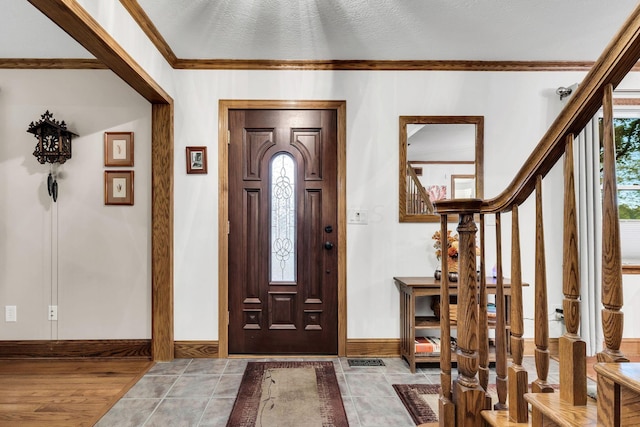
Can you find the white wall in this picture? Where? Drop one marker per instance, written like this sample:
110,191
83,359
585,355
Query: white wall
92,260
518,109
98,300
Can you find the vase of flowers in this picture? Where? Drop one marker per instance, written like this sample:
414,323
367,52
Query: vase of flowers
451,250
452,243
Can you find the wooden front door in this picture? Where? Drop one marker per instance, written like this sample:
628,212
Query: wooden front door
283,232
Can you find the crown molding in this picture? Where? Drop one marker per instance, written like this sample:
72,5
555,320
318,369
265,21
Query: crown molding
52,63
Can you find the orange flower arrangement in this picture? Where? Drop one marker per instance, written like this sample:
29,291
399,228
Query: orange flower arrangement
452,244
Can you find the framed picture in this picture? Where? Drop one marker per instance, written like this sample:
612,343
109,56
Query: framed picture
196,159
118,148
118,187
463,186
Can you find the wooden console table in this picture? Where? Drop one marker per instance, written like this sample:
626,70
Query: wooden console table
412,288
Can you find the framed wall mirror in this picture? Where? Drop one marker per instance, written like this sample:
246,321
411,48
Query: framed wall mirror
441,157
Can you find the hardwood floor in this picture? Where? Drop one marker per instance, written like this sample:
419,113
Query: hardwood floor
44,392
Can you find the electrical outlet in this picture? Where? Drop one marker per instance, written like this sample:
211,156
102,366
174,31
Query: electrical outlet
53,312
558,312
10,313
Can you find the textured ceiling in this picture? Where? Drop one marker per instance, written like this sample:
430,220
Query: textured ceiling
388,29
491,30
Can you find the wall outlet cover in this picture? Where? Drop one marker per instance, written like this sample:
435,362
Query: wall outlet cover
10,313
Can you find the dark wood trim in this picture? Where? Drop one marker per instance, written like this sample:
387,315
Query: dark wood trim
626,101
147,26
76,22
162,230
52,64
224,106
195,349
310,65
630,346
631,269
441,162
369,347
380,65
140,349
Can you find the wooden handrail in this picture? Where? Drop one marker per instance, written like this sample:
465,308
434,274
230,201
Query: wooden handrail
469,388
422,194
616,61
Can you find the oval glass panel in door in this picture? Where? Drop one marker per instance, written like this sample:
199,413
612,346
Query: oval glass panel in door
283,219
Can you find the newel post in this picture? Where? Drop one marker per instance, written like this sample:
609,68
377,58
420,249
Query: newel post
468,395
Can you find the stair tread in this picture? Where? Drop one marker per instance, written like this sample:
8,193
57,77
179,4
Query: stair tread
501,419
626,374
564,413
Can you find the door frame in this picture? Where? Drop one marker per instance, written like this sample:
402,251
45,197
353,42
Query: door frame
224,105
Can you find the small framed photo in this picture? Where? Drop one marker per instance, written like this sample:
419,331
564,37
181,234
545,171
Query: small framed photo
196,159
463,186
118,148
118,187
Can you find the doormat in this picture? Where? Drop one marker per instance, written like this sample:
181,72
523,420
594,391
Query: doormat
288,394
365,362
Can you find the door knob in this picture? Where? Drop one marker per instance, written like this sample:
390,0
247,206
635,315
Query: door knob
328,245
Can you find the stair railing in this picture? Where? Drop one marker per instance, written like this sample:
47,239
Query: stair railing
418,200
466,396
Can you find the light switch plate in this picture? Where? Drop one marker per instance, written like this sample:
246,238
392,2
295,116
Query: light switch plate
10,313
358,216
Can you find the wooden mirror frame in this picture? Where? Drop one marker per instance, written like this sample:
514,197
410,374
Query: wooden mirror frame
478,121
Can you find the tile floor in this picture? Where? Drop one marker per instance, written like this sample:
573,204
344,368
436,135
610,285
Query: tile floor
201,392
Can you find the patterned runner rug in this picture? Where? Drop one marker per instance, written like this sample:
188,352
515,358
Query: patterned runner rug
421,400
288,394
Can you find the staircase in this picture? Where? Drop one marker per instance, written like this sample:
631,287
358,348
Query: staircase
464,400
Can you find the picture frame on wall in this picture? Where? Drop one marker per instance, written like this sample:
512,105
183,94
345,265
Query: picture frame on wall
463,186
197,160
118,187
118,149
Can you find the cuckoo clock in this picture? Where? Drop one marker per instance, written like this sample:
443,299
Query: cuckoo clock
53,146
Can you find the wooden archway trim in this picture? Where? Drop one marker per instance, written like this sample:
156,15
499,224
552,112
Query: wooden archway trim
76,22
223,209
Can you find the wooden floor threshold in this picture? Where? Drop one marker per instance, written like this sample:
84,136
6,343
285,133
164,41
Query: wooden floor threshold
69,393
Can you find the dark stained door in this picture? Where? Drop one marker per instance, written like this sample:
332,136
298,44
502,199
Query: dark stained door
283,228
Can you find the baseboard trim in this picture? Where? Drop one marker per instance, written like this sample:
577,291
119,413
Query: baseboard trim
530,347
369,347
195,349
138,349
630,346
356,347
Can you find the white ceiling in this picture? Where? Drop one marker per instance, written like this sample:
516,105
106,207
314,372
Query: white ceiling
491,30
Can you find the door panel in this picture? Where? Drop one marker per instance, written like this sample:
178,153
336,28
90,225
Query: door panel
283,264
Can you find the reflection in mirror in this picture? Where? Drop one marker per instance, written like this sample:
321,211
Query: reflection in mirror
440,158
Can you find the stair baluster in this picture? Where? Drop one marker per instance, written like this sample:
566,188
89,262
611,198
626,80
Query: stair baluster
612,317
518,375
501,341
446,407
541,329
573,350
483,331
